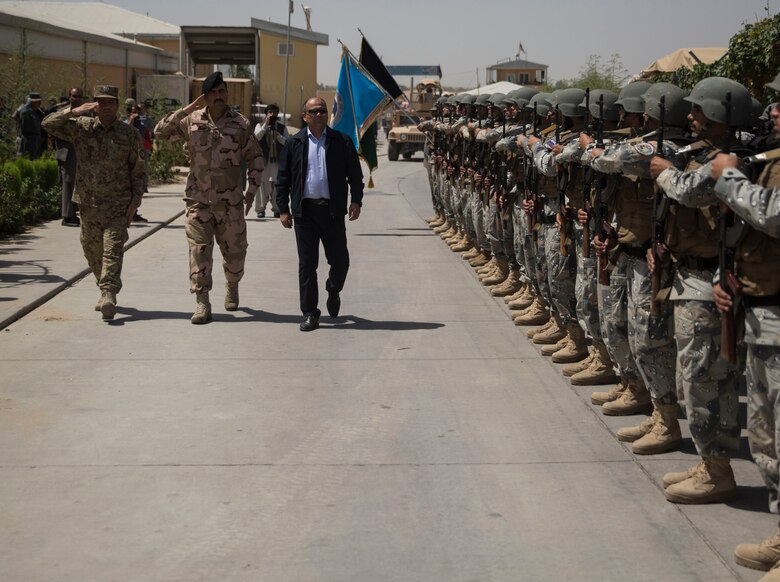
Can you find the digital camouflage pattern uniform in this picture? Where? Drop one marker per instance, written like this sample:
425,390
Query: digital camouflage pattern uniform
215,202
758,270
111,177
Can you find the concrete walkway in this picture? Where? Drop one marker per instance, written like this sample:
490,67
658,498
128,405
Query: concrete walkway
419,437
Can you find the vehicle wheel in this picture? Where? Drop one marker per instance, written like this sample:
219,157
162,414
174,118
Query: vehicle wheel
392,151
408,155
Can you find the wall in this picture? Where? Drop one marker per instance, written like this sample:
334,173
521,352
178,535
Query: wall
302,72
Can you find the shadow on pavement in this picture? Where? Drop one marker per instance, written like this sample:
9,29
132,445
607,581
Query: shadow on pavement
16,273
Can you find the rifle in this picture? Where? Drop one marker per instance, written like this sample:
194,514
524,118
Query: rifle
728,282
532,179
587,179
605,229
660,207
561,191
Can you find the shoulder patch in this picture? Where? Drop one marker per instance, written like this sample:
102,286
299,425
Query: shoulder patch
644,149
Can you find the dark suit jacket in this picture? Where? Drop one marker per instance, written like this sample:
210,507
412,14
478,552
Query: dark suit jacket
343,166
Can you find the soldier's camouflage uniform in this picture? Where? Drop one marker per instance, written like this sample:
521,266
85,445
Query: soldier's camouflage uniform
111,177
709,383
213,195
758,269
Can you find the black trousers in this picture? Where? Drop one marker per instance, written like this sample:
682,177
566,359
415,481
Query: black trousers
317,224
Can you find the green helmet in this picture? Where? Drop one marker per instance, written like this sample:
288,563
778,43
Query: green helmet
568,102
442,100
630,97
497,99
525,93
775,84
453,100
482,99
710,94
540,102
677,109
468,99
611,111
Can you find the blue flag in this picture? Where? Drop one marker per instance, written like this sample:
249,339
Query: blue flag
359,100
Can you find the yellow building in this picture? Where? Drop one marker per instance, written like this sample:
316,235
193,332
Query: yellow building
63,44
518,71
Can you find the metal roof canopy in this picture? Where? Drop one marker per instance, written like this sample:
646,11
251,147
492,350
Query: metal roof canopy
223,45
414,70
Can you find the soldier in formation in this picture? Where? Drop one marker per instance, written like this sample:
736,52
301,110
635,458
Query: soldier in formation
634,230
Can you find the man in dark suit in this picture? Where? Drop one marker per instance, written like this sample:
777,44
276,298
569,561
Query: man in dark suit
316,167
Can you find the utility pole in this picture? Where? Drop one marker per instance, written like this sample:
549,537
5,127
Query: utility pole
287,59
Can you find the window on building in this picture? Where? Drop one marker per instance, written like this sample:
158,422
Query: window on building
283,49
523,78
510,78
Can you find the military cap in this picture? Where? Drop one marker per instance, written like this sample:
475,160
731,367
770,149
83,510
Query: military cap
775,84
107,92
482,99
212,81
710,94
610,112
34,97
676,109
630,97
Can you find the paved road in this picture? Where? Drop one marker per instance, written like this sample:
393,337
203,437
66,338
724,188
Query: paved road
419,437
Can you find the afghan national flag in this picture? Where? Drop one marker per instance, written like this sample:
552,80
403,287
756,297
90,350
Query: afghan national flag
359,101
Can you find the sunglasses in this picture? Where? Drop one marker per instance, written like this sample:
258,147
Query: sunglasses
319,111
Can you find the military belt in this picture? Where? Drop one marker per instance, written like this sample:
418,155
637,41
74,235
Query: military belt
761,300
698,263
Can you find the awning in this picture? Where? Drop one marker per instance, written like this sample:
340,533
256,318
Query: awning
685,57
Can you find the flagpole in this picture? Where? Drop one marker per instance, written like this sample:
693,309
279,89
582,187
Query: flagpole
287,60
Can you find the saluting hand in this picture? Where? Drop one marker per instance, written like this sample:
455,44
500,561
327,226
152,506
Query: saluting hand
84,108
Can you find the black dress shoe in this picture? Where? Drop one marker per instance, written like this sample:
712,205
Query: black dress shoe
138,218
333,304
310,323
70,222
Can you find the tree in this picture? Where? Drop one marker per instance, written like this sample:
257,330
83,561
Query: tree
595,74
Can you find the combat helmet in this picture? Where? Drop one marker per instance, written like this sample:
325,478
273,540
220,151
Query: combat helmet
540,101
468,99
611,111
630,97
568,102
710,94
676,108
497,99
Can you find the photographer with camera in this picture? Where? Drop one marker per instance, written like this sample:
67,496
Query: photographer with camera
272,135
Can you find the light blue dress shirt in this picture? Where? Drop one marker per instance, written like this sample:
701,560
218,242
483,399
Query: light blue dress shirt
316,170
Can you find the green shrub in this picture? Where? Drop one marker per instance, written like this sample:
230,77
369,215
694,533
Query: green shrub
29,192
47,172
163,160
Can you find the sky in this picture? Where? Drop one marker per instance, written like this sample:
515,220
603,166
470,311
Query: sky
465,36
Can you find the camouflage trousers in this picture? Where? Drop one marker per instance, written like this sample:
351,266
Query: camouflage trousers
103,237
542,267
478,214
204,224
458,206
468,211
493,228
708,383
562,274
613,304
763,418
519,227
529,252
446,198
651,337
267,188
506,222
586,290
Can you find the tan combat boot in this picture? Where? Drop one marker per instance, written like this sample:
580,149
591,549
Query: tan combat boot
549,349
202,309
516,295
635,400
432,220
535,314
523,300
665,434
472,253
99,303
553,334
449,233
510,285
670,479
600,371
571,369
762,556
108,306
480,260
454,239
487,267
575,348
629,434
773,575
500,275
443,227
713,483
464,245
231,296
601,398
